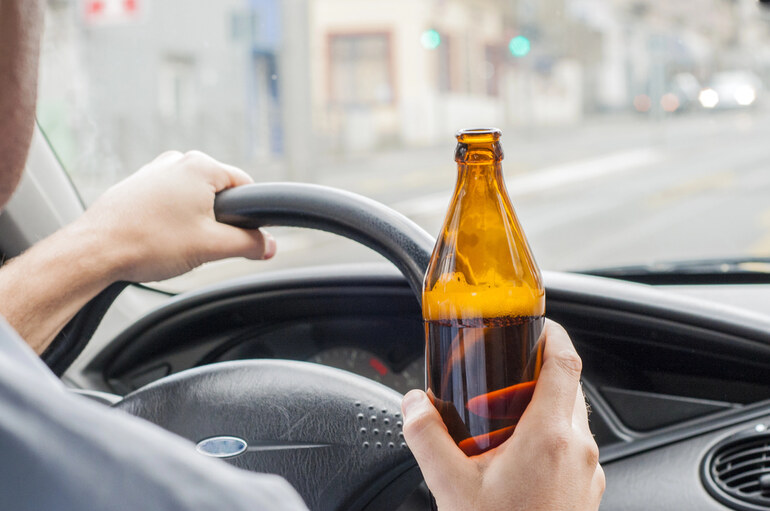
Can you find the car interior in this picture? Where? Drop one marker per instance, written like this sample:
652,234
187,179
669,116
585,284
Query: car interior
660,103
677,384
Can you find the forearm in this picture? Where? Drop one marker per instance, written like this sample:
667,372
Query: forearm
44,288
156,224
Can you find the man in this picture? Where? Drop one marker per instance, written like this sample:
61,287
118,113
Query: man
58,451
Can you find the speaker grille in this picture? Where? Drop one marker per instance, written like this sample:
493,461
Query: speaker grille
736,471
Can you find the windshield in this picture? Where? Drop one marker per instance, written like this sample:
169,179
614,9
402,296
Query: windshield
634,132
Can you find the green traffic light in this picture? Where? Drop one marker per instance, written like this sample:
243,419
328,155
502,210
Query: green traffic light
519,46
430,39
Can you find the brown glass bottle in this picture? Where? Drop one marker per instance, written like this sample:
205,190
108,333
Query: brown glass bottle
483,304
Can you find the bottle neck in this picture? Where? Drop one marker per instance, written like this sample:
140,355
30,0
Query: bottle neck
479,153
479,161
487,171
480,181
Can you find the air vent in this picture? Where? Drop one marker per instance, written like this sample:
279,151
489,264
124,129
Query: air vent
736,471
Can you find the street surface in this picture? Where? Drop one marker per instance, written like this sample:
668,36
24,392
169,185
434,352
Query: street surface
616,191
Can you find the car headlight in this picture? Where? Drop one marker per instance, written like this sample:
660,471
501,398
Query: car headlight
745,95
708,98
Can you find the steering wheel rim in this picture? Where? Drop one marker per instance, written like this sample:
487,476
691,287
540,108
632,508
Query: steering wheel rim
353,216
374,225
358,417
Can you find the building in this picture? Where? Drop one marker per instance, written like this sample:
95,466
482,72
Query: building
282,84
404,72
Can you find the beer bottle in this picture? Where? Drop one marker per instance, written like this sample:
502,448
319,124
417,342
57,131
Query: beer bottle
483,304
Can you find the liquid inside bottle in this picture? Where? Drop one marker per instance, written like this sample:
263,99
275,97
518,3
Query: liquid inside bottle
483,304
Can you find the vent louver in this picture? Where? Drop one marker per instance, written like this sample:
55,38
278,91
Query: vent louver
736,471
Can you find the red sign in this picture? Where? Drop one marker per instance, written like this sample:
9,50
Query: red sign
106,12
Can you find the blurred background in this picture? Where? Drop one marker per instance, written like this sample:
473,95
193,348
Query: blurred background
635,131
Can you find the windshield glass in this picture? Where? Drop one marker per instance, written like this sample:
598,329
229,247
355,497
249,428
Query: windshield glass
634,132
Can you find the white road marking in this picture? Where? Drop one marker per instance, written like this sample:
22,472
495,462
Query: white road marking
544,179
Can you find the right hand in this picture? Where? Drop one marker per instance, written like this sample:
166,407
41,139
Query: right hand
551,462
159,222
155,224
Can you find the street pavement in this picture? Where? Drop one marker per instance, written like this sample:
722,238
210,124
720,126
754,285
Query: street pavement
614,191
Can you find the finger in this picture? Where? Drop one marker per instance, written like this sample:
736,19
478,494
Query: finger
554,396
440,460
580,413
228,241
598,485
235,177
220,175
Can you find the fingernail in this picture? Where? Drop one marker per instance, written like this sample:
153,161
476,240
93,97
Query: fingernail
270,245
412,401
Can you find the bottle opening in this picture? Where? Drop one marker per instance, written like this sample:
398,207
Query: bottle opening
478,146
478,135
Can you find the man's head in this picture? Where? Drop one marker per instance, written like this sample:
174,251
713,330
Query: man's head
20,28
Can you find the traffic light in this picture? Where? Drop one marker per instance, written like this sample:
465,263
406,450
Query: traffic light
519,46
430,39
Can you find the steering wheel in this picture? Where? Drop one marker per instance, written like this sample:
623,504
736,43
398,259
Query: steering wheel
335,436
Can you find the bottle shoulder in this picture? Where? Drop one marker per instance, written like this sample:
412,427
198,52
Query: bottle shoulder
482,266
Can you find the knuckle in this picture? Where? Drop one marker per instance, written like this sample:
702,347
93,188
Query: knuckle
193,154
166,154
557,442
601,480
592,453
417,426
196,157
570,361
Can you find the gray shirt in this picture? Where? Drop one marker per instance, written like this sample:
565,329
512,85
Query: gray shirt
59,451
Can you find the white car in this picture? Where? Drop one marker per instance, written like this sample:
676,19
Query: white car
731,89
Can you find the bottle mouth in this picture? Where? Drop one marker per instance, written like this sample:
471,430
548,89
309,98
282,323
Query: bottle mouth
478,135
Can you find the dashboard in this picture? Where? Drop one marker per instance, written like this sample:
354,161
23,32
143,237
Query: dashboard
667,377
369,327
369,365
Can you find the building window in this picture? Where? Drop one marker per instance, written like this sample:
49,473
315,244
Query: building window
360,69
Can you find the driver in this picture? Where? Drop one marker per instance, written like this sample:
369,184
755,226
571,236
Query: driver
62,452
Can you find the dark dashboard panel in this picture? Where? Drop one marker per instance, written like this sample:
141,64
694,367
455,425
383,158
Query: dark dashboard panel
384,347
298,321
381,347
653,370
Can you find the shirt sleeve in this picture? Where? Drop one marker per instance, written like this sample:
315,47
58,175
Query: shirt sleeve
61,451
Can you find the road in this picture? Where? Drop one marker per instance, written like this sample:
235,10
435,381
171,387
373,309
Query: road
616,191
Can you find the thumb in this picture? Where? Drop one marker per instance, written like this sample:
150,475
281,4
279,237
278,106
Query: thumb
228,241
442,463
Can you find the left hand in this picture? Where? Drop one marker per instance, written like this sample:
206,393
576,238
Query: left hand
159,222
550,463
